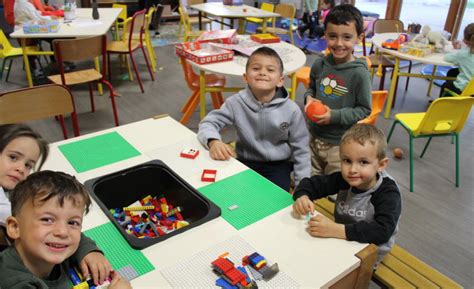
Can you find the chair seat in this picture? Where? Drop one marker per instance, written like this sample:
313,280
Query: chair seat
121,46
77,77
377,59
212,80
410,120
257,20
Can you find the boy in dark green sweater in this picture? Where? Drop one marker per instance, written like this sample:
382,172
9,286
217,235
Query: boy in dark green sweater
46,222
342,83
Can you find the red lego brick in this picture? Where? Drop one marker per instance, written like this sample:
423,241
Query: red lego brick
189,153
208,175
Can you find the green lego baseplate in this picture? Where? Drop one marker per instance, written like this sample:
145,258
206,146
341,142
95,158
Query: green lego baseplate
246,198
117,250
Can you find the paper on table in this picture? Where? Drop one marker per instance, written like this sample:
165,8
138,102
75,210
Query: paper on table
81,22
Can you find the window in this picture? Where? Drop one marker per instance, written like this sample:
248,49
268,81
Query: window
425,12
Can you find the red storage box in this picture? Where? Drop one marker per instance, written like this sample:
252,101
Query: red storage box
228,36
203,53
265,38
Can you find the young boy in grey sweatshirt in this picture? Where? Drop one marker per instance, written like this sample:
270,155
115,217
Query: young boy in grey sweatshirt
272,137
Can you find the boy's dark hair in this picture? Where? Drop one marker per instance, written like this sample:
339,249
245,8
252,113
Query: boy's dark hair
9,132
267,51
44,185
343,15
469,35
332,3
363,133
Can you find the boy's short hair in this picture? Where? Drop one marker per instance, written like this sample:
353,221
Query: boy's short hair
267,51
44,185
469,34
332,3
9,132
363,133
343,15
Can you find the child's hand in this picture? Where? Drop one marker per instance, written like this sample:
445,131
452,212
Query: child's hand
220,150
325,118
456,44
97,265
309,100
303,205
118,282
321,226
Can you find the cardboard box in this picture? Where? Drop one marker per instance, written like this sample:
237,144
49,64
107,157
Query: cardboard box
203,53
228,36
417,49
46,26
265,38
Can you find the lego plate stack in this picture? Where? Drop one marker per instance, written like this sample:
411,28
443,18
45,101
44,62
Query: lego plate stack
203,53
228,36
265,38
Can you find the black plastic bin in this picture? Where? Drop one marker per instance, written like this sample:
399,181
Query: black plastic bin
154,178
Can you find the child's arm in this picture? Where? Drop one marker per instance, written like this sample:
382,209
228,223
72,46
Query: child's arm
210,127
387,206
314,188
92,261
298,139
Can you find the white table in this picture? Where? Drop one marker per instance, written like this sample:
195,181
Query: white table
293,59
435,59
240,12
280,237
82,26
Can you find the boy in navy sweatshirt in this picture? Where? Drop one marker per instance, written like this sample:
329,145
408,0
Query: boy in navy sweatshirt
272,138
368,203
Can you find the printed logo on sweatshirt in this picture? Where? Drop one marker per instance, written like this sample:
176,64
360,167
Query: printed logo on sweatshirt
353,212
333,87
284,126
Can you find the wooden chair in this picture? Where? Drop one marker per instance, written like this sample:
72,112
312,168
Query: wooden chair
192,80
134,31
192,19
380,61
82,49
148,44
120,19
38,102
446,116
265,6
189,34
378,101
286,11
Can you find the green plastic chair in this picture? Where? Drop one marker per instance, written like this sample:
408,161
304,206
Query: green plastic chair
445,117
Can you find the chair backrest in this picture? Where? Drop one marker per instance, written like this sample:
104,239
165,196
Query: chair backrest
183,12
378,101
35,103
148,19
469,89
445,115
267,6
80,49
123,14
388,25
189,75
5,45
286,11
134,27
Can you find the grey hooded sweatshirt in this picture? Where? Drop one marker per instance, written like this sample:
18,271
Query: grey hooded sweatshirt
266,132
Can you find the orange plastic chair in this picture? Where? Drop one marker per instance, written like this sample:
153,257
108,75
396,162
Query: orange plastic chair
302,76
378,101
192,80
135,30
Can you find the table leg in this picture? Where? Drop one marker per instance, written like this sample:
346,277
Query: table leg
393,86
200,20
264,25
241,26
432,79
26,61
202,94
293,86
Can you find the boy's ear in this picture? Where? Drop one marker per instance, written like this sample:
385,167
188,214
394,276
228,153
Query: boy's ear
281,81
361,37
13,228
244,76
383,164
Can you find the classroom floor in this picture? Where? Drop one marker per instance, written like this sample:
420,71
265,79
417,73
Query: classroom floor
436,222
